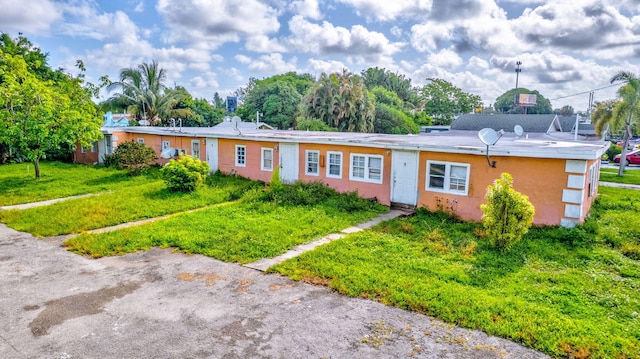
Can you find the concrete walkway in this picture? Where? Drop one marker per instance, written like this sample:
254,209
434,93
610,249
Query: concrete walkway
46,203
620,185
265,263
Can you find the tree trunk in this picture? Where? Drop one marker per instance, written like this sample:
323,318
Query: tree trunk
623,155
36,167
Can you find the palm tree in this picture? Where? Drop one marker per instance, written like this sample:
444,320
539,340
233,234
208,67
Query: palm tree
142,91
340,100
624,113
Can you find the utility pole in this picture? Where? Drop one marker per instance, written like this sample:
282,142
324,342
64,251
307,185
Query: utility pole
518,71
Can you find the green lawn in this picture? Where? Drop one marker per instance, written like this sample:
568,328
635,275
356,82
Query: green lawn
19,185
611,175
568,293
240,232
128,203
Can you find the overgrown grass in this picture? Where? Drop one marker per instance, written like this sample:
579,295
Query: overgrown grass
611,175
126,204
19,185
243,232
568,293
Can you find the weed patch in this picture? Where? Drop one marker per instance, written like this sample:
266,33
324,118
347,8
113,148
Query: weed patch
565,292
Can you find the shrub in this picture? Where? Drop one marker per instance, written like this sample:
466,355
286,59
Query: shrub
132,156
507,215
613,151
184,174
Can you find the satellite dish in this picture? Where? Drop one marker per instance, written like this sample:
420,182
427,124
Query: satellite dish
168,152
518,130
236,119
488,136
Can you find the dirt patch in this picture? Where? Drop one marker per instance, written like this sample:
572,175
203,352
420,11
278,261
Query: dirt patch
60,310
208,278
244,285
278,286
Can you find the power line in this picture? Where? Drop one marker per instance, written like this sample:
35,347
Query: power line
583,93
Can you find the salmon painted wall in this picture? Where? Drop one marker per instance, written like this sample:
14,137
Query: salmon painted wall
253,157
542,180
381,191
178,142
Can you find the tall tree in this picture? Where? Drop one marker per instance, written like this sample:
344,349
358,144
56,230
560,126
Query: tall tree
377,77
443,101
275,99
625,112
38,115
342,101
141,91
505,102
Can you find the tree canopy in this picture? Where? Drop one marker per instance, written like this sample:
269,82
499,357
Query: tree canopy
341,100
505,102
443,101
38,114
142,92
621,114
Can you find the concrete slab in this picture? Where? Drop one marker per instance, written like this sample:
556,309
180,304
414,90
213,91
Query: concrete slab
163,304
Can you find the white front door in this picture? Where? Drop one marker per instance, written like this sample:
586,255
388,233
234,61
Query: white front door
288,162
212,153
404,177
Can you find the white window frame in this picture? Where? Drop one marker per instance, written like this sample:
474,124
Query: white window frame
141,140
166,144
263,167
367,170
83,149
94,147
329,164
594,174
447,178
193,154
307,163
241,159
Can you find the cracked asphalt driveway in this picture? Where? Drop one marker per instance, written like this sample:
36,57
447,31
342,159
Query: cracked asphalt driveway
162,304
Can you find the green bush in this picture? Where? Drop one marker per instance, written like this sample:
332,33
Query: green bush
184,174
507,215
132,156
613,151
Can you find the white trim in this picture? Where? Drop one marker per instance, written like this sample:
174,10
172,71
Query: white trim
446,185
328,164
94,147
572,196
568,223
262,158
240,159
366,169
166,144
572,211
575,181
307,170
573,166
83,149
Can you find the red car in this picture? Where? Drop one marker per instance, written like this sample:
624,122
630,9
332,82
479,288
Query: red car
632,158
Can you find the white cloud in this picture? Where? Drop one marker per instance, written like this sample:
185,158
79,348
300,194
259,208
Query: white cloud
208,79
446,58
217,21
389,10
317,67
327,39
139,7
33,16
242,59
262,43
396,31
306,8
273,64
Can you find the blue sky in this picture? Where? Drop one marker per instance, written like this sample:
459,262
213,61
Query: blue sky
207,46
